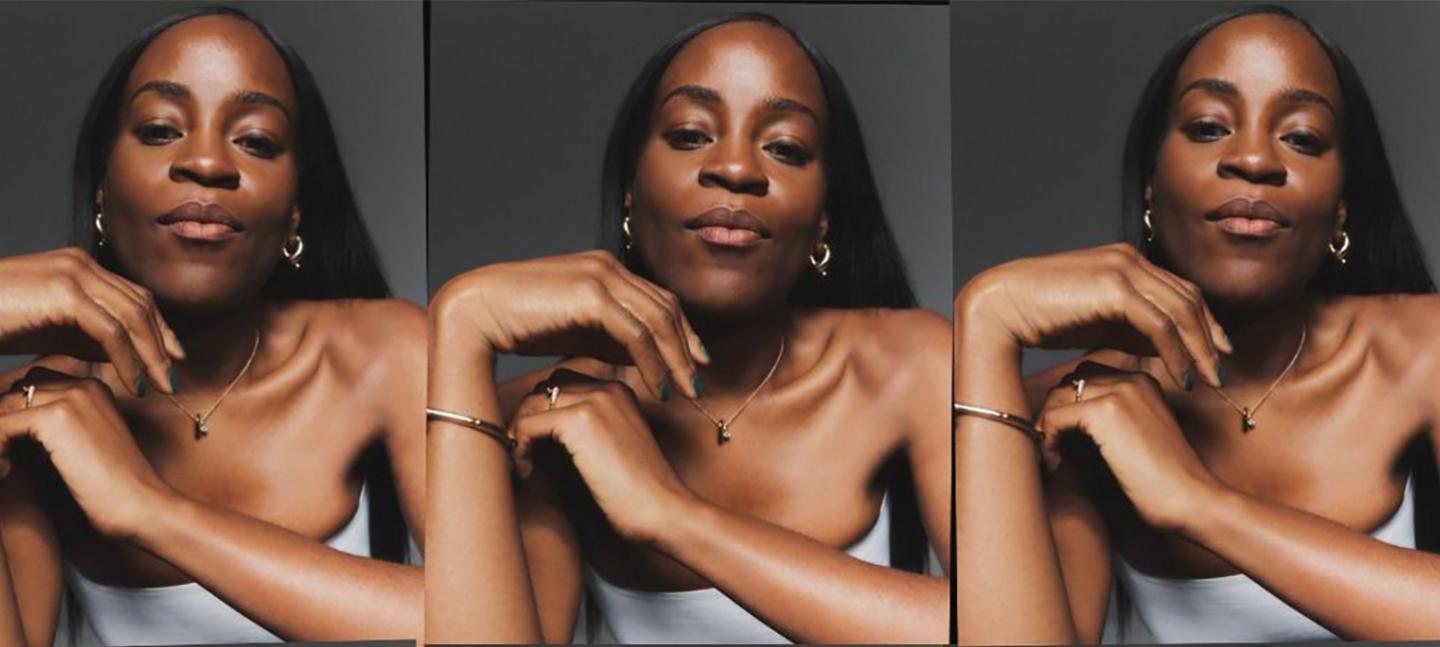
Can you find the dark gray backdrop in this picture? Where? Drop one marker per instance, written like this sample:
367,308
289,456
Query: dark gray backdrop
1044,91
368,59
515,168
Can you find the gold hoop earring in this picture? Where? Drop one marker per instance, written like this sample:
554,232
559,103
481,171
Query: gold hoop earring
99,228
822,263
1149,228
1343,250
293,257
625,231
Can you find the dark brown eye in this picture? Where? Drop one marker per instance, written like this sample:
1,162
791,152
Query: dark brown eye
789,153
259,146
1204,131
1306,142
156,134
687,138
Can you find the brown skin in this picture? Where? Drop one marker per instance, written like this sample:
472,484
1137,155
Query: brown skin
765,517
245,510
1205,499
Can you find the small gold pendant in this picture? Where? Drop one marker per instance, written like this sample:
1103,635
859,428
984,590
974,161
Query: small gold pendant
722,433
1247,421
200,429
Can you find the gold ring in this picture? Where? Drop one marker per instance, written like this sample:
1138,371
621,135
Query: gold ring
1079,384
554,392
29,391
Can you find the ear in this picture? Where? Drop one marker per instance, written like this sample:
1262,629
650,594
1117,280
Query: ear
1341,213
1149,194
100,196
629,197
294,223
824,227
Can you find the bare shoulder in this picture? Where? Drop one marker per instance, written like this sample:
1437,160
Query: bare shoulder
892,344
371,342
1402,331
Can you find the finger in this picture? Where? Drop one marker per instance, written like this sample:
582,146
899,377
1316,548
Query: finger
97,323
660,318
1075,417
139,326
1190,324
639,343
1160,330
1218,339
163,332
547,423
682,323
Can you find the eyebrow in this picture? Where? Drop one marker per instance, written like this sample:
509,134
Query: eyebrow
709,96
1228,89
179,91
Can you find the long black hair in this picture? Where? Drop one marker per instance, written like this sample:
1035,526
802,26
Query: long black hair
1385,255
340,259
867,270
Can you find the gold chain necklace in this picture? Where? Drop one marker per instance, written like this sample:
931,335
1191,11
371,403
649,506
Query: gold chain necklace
722,425
200,419
1247,414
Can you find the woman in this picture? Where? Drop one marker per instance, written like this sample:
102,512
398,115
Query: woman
214,493
746,369
1257,481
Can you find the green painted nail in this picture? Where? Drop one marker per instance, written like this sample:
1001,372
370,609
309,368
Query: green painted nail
695,382
174,383
1220,372
1189,383
665,390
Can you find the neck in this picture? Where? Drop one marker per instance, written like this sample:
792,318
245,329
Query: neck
217,345
1265,339
741,352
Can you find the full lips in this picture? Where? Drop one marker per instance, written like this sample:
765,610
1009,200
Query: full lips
201,221
1248,218
726,227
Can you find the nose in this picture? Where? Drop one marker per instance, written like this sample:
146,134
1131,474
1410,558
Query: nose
205,160
1252,157
733,166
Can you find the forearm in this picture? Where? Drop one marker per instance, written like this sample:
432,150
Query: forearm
482,591
296,587
12,630
806,590
1353,584
1012,590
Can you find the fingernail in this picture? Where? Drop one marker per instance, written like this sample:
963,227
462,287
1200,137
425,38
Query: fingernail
705,351
665,390
140,386
181,347
1189,379
695,382
1220,373
174,383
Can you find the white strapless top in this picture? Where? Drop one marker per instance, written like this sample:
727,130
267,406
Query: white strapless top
183,613
702,615
1231,608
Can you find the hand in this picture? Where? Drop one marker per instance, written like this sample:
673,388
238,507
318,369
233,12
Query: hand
611,446
1104,297
76,423
580,304
1126,416
62,302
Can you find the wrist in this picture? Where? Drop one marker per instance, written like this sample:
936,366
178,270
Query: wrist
681,521
161,512
1205,508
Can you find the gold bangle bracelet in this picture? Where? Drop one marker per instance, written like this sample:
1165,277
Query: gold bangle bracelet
1009,419
484,426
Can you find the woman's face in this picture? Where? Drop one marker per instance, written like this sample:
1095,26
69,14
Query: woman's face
1247,187
199,193
729,195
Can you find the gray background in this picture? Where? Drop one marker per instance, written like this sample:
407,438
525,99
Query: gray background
1044,93
366,57
515,167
